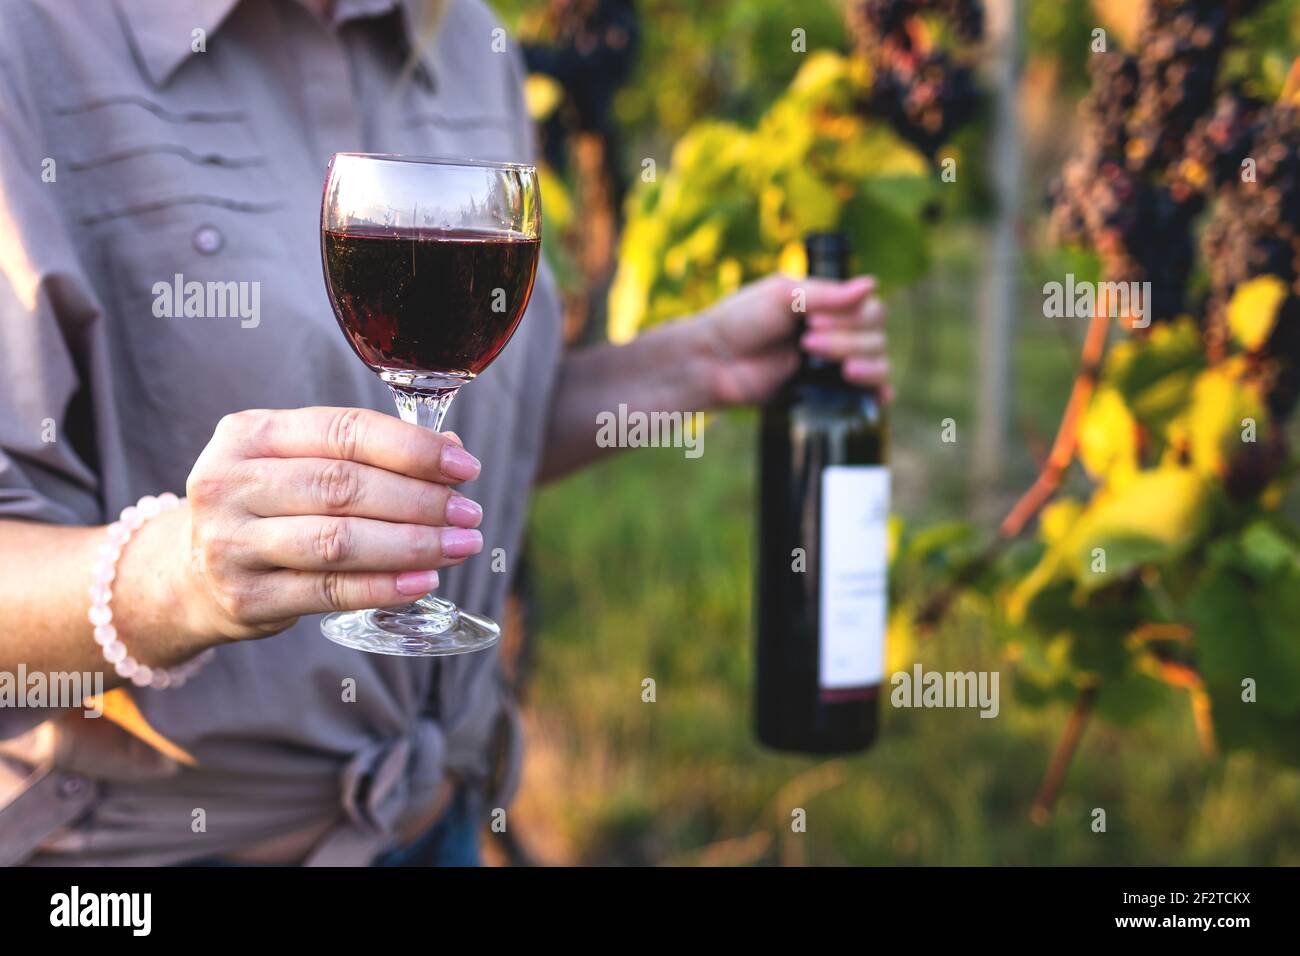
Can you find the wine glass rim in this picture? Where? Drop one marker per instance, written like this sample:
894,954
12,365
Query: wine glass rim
436,161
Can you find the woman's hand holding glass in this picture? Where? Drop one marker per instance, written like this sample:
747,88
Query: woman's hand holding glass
312,510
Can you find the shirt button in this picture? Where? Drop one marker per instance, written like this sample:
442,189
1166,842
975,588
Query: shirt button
208,240
70,787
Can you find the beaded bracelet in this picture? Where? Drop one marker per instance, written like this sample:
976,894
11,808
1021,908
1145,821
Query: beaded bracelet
101,593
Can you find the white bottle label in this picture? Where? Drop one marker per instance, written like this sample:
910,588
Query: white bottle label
854,559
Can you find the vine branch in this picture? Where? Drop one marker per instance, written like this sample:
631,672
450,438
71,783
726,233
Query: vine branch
1049,477
1045,802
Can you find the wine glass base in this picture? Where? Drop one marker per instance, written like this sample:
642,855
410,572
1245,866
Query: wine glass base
411,631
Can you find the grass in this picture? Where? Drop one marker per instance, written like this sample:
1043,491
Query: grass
643,571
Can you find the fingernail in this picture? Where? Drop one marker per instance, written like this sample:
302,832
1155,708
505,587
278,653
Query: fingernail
860,368
463,512
461,542
458,463
875,311
417,582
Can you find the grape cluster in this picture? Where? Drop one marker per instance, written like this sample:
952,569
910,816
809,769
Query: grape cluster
1156,144
1139,227
1183,43
1216,147
1160,147
924,92
1254,230
591,50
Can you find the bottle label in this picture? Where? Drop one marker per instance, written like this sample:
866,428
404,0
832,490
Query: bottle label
853,564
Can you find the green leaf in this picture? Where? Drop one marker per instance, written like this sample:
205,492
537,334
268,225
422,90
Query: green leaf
1247,629
1130,697
1135,365
1240,725
1265,551
886,243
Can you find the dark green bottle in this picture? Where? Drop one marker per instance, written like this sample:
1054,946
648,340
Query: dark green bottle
822,542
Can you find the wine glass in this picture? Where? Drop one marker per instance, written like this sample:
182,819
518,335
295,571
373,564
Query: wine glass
429,264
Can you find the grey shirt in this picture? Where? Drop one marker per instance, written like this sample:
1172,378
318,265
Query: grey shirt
145,139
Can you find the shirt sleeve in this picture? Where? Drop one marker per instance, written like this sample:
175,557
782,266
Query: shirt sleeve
47,310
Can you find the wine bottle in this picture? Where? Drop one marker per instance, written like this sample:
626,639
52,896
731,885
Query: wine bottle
822,541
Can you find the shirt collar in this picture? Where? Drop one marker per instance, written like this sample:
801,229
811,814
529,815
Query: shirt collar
162,31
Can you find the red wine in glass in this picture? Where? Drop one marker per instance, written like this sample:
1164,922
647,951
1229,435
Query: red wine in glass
429,265
429,300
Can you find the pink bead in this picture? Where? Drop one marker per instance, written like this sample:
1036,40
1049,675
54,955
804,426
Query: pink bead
100,614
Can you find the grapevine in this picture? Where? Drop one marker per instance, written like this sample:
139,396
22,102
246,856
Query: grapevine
1177,568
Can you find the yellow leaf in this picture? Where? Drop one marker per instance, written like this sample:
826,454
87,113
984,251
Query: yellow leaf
1108,438
900,641
1221,402
1058,518
557,206
1157,514
793,260
1253,310
542,95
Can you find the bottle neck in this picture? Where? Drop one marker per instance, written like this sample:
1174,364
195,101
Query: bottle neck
828,258
815,368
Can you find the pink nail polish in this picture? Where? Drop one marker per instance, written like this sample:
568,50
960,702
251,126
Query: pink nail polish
416,582
463,512
461,542
457,463
859,368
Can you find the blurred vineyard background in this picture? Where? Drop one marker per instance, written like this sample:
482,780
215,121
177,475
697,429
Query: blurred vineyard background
688,147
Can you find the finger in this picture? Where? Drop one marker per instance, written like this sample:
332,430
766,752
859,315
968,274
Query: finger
309,543
868,371
289,594
832,295
352,434
328,486
844,343
869,315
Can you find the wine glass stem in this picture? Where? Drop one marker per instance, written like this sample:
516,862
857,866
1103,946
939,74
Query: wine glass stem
424,407
427,407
